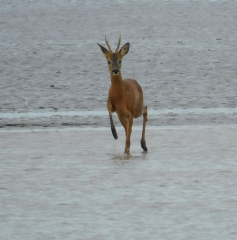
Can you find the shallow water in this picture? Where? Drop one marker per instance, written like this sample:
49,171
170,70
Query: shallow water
78,184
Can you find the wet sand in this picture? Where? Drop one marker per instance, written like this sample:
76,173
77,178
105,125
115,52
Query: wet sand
182,53
78,184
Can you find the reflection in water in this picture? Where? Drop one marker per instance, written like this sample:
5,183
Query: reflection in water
122,157
142,156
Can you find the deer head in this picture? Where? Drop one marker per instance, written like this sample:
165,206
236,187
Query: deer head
115,58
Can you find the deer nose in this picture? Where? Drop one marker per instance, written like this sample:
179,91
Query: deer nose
115,71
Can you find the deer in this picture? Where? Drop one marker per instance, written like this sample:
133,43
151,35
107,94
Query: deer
125,96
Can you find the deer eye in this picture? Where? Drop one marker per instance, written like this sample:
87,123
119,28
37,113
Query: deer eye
119,61
109,62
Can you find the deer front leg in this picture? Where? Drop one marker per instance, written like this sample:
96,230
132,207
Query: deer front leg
113,129
127,121
128,135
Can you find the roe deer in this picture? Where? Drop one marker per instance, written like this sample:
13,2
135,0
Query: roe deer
125,96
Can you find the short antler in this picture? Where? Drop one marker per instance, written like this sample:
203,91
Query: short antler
106,40
117,49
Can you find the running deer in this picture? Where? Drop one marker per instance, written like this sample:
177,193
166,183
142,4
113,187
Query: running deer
125,96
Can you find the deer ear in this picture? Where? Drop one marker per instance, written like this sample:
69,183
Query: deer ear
103,49
124,49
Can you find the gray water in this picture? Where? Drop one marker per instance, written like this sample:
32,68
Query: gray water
78,184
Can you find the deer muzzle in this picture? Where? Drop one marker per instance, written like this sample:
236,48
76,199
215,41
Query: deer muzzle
115,71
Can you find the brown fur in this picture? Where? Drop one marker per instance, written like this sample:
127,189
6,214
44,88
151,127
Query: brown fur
125,96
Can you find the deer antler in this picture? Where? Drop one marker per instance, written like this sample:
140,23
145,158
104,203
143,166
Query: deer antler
106,40
117,49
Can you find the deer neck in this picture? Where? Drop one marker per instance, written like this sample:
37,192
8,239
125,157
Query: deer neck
117,82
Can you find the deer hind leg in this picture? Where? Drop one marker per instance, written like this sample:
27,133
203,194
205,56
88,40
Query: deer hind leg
143,141
113,129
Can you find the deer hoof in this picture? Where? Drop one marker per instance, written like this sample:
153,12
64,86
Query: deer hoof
126,151
143,145
114,133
